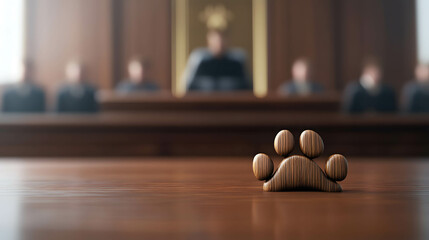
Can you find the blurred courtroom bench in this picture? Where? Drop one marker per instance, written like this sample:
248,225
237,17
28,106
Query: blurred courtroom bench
197,133
237,101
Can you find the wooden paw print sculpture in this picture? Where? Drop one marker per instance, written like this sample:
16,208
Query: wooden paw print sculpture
299,172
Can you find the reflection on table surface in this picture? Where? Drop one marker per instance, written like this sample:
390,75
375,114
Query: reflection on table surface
205,198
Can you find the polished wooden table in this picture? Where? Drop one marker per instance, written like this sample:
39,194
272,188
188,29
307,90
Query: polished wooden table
205,198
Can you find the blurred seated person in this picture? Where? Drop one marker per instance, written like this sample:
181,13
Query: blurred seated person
416,94
217,68
369,94
76,95
137,81
300,83
26,95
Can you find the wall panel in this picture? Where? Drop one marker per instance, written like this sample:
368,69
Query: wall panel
301,28
384,29
58,31
336,35
144,30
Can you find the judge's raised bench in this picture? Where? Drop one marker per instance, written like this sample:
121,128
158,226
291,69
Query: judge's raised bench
237,101
205,125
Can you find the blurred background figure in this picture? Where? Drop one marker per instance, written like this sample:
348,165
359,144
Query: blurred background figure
77,95
369,94
300,83
137,81
217,68
415,94
26,95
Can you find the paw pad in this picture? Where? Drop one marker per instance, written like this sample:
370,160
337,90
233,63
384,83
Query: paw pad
263,167
311,144
283,143
336,167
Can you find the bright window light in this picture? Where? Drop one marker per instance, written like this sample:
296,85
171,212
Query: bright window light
423,30
11,39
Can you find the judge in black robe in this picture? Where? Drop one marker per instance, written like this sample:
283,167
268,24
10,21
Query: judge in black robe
137,81
217,68
415,95
300,83
76,96
25,96
369,94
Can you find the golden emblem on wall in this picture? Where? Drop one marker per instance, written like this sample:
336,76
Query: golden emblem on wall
216,17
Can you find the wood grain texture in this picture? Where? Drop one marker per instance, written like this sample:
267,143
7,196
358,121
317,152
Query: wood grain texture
284,143
311,144
336,167
300,173
263,167
205,198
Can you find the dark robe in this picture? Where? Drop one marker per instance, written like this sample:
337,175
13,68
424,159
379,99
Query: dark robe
27,97
358,100
416,98
292,88
77,99
211,74
130,87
